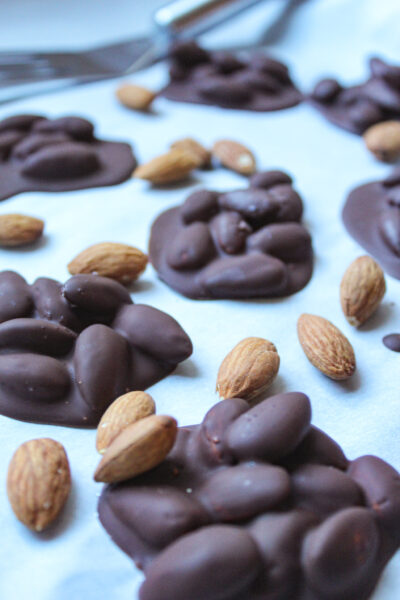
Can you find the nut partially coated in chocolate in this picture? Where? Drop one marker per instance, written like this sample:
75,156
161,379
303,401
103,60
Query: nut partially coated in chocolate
358,107
239,244
251,82
255,503
372,217
54,155
67,351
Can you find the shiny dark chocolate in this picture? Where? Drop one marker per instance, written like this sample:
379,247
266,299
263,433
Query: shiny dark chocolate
358,107
253,82
245,243
67,351
257,503
54,155
372,217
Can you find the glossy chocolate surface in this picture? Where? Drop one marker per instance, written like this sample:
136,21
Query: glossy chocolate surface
55,155
67,351
257,503
253,82
372,217
246,243
357,107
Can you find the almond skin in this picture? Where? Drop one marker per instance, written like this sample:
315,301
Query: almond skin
234,156
361,290
173,166
137,449
326,347
118,261
134,96
248,370
383,140
201,154
124,411
38,482
19,230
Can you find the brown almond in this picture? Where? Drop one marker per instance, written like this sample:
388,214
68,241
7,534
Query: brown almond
361,290
19,230
383,140
38,482
234,156
118,261
134,96
326,347
124,411
248,370
201,154
170,167
137,449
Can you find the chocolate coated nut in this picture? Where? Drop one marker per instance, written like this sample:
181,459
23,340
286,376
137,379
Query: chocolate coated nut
380,93
289,204
61,161
317,448
188,53
95,294
326,90
244,491
268,65
227,552
230,231
337,556
226,62
36,141
256,205
287,241
224,92
271,429
36,335
34,377
260,81
268,179
214,426
192,248
22,122
199,206
390,73
8,139
76,127
51,304
16,300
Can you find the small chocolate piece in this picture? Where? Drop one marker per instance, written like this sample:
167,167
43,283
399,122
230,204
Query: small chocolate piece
67,351
218,521
238,244
372,217
358,107
54,155
249,82
392,341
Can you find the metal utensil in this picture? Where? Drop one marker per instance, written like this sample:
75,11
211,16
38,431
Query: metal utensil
28,73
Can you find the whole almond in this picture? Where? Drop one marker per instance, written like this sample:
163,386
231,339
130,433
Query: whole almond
326,347
234,156
170,167
361,290
118,261
383,140
124,411
248,369
134,96
19,230
38,482
201,154
137,449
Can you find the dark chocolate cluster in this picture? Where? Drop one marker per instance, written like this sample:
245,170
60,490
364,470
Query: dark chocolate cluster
358,107
67,351
372,217
254,82
244,243
257,504
53,155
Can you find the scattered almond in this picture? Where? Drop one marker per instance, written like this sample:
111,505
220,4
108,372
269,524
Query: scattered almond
234,156
248,369
173,166
361,290
124,411
38,482
201,154
137,449
19,230
383,140
134,96
326,347
118,261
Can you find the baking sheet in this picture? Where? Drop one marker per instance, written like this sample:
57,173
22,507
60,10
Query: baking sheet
76,558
